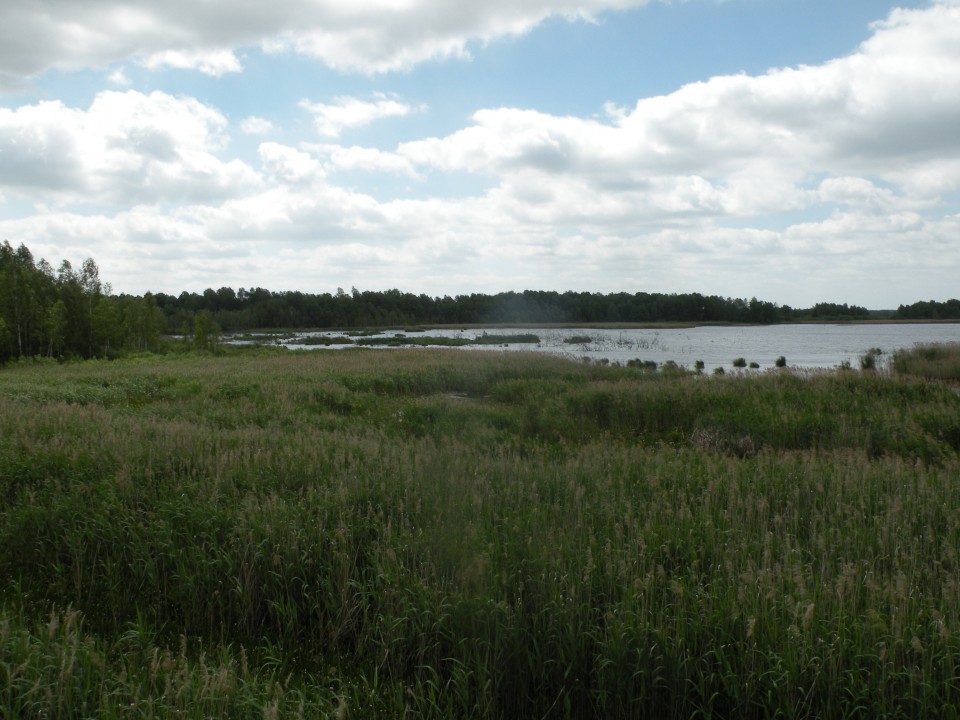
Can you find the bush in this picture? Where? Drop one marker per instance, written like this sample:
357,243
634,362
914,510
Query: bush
670,366
781,361
868,361
740,363
646,365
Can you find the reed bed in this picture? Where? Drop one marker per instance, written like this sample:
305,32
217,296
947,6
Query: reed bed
434,533
937,361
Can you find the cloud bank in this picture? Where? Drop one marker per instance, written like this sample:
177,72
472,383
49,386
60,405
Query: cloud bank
770,185
366,36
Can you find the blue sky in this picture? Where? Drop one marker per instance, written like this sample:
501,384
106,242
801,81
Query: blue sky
793,150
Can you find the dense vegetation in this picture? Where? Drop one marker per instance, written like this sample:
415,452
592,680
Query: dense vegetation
434,534
259,308
930,310
70,313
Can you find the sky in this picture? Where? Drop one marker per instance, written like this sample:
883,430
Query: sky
797,151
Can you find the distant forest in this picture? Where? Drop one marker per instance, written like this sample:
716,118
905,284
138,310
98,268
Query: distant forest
72,313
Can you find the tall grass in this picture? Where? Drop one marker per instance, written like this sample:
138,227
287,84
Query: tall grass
940,361
447,534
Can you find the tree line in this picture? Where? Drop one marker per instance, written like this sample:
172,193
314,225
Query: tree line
68,312
71,312
259,308
930,310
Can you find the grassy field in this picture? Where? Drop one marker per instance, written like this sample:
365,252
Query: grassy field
434,533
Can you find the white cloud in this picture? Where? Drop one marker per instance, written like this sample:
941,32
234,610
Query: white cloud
366,159
328,238
125,148
119,78
253,125
215,62
363,35
380,36
347,112
857,192
742,145
775,185
289,166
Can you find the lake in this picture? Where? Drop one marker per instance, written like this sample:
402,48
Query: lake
803,345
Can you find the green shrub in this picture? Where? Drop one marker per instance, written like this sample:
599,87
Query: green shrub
645,365
868,361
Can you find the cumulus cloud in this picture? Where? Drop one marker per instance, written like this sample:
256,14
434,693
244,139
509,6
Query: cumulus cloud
716,187
119,78
215,62
363,35
126,147
745,145
347,112
337,157
253,125
289,166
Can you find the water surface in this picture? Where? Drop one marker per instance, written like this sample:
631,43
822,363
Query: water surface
803,345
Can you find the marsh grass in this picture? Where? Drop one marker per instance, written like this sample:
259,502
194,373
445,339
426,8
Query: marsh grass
939,361
432,534
324,340
401,340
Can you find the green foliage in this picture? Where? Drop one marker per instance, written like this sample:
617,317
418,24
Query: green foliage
260,308
834,311
494,339
937,361
69,314
739,362
645,365
206,333
473,535
57,669
479,535
868,361
930,310
324,340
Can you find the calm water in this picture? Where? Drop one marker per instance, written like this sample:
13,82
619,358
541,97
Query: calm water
807,346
